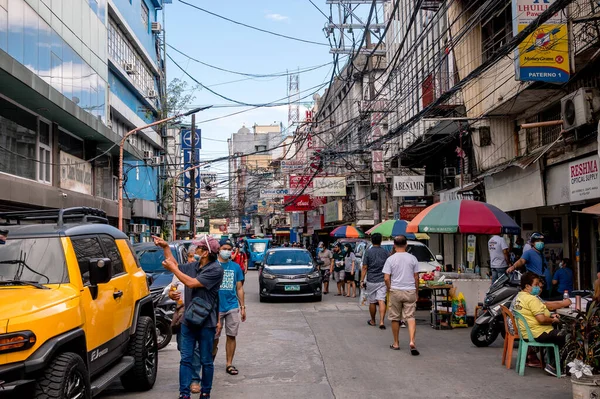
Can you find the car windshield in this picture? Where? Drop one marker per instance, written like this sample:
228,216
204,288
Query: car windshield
288,258
259,247
40,260
421,252
151,259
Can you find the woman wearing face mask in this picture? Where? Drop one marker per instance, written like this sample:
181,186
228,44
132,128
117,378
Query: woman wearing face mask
537,315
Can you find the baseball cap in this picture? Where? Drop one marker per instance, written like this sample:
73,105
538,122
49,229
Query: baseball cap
208,242
225,241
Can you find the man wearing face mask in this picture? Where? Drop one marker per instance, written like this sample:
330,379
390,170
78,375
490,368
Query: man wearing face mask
532,260
232,308
537,315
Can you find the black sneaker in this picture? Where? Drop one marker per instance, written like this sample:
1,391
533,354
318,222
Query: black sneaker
184,397
550,370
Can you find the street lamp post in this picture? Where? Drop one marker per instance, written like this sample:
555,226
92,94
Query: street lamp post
174,193
122,144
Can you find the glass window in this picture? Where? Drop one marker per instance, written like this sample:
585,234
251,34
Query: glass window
113,254
44,154
40,260
85,249
151,259
43,48
16,9
17,148
31,39
421,252
3,29
145,14
56,72
288,257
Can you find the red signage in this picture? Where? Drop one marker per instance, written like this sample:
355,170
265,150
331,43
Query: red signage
301,181
408,213
302,203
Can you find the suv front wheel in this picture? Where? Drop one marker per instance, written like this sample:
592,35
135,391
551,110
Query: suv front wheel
144,350
65,378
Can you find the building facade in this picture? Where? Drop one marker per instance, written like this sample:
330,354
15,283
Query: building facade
58,143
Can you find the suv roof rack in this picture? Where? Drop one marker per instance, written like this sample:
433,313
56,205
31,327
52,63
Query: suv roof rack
61,216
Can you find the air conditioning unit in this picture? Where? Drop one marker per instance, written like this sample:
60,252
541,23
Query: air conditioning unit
135,228
155,229
148,155
457,181
152,93
448,172
144,228
156,28
577,108
158,160
129,68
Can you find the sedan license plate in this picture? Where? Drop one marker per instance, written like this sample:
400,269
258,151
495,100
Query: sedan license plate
292,288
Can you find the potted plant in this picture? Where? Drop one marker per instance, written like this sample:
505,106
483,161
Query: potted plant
582,352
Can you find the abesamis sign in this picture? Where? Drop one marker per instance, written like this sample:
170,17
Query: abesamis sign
409,186
583,178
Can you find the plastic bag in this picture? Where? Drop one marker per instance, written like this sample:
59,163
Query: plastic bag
362,299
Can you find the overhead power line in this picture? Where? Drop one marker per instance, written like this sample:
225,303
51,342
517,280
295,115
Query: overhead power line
254,27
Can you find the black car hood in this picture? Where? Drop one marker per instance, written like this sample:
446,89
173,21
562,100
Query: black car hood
288,270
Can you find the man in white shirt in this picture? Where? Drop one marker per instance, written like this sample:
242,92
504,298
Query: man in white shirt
401,276
499,256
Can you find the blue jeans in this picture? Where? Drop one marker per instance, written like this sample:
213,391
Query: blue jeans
204,339
195,361
498,272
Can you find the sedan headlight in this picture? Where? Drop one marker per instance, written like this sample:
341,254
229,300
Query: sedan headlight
268,276
17,341
315,274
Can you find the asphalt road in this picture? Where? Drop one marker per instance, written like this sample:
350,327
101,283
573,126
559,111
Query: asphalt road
300,349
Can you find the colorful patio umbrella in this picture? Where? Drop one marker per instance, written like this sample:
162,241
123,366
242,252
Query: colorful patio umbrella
396,227
463,216
347,232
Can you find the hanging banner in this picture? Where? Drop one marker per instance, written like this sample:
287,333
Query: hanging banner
409,186
273,192
408,213
332,211
265,207
544,55
75,174
302,203
471,242
301,181
288,166
334,186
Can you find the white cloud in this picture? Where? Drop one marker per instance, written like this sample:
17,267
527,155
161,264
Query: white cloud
277,17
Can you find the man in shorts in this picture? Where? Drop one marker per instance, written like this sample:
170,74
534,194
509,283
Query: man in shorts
401,276
372,272
325,258
337,268
232,309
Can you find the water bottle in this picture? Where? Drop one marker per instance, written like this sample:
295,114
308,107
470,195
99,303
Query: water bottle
566,294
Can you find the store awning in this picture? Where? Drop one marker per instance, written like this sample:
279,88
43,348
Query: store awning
522,162
365,222
592,210
282,232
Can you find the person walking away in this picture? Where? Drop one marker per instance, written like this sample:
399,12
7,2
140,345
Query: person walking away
178,295
537,316
401,276
337,267
563,277
202,280
325,260
499,257
372,274
349,270
232,308
239,256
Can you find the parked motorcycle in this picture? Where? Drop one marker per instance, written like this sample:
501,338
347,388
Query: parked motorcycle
490,322
164,308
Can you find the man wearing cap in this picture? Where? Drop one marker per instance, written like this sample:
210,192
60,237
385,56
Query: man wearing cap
232,308
202,280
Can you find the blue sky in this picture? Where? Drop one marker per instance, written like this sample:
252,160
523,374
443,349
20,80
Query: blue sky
221,43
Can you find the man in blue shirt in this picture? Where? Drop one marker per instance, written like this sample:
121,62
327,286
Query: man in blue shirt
534,261
232,309
563,278
202,280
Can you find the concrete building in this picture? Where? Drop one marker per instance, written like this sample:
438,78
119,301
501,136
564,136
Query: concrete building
250,170
58,139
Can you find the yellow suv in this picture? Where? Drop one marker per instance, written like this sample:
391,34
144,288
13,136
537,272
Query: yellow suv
75,308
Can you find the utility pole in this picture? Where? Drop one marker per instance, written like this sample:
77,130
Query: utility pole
193,179
378,216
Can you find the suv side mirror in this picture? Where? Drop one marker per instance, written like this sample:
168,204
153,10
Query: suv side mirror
439,258
100,272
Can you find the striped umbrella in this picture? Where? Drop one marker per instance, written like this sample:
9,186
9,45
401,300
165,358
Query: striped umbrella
463,216
396,227
347,232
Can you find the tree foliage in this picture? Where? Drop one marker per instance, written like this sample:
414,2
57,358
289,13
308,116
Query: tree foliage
179,96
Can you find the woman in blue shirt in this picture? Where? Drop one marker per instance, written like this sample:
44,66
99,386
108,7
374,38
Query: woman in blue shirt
563,277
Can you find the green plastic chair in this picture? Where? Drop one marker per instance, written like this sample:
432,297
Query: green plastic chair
525,344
